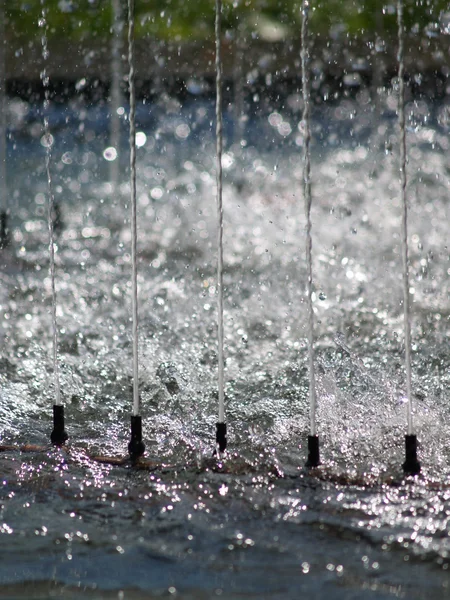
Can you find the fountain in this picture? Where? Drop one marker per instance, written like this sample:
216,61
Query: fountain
4,233
59,435
221,427
313,439
345,341
411,464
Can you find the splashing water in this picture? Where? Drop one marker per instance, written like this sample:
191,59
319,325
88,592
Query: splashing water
404,204
48,140
191,526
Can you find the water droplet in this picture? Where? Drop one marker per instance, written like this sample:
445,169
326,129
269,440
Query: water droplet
182,131
47,140
141,139
110,154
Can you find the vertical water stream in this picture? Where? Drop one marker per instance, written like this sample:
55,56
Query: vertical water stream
219,150
48,140
3,186
404,203
134,288
308,200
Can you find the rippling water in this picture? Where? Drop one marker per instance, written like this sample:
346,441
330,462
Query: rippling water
258,524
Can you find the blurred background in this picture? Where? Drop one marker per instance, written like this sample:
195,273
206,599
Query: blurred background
352,43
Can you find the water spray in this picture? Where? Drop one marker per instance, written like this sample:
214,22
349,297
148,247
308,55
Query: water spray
313,439
411,466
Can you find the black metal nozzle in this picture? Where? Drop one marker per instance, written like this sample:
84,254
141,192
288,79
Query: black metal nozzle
313,452
221,436
136,447
59,435
411,466
5,238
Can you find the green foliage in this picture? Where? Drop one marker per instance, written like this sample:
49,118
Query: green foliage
181,20
63,19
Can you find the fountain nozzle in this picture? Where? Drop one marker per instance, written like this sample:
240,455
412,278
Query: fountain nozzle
136,447
411,466
221,436
59,435
4,230
313,452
